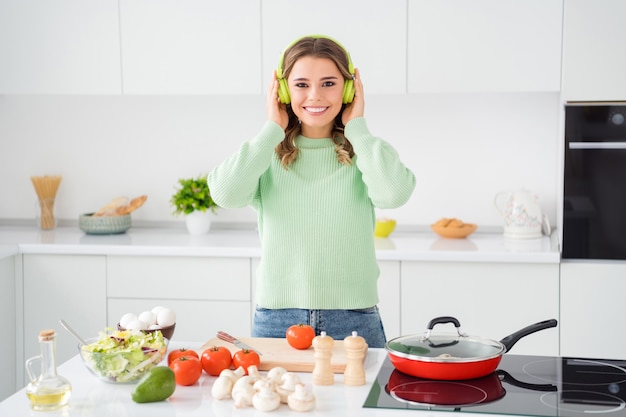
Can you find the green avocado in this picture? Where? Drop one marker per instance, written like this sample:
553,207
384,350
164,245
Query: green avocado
156,385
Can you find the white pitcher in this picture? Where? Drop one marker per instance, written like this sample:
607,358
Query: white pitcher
523,218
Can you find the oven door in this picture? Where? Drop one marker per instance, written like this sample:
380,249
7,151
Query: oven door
594,205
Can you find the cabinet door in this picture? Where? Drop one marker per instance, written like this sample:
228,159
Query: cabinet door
389,296
59,47
490,300
208,294
592,299
375,36
191,47
7,326
484,45
594,62
72,288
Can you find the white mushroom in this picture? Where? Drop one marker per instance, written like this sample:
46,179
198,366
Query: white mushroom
254,374
222,387
266,399
264,383
301,399
224,383
276,373
242,392
234,375
288,384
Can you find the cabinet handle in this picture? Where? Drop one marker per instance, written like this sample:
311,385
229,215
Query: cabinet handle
598,145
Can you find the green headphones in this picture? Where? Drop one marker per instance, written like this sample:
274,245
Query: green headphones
283,87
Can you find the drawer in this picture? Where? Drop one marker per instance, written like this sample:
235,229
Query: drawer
184,278
195,320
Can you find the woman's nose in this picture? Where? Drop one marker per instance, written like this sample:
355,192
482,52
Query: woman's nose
314,93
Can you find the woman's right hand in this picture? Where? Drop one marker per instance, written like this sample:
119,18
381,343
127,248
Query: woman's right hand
276,111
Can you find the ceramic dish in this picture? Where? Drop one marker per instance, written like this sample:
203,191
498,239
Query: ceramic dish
384,227
463,231
167,331
104,225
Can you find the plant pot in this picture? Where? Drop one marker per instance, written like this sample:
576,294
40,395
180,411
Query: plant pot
198,222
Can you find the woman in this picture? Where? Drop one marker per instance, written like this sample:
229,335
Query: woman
314,174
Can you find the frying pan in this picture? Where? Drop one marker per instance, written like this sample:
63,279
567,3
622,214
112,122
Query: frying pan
471,392
453,356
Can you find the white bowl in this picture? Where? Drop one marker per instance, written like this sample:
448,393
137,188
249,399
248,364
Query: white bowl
104,225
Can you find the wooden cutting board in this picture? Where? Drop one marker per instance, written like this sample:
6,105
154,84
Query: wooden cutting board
277,352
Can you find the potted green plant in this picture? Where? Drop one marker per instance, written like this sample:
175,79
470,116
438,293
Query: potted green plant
193,200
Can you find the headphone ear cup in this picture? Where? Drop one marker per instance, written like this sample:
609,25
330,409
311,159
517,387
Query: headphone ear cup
348,91
283,91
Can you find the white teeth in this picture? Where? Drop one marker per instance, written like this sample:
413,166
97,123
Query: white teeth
316,109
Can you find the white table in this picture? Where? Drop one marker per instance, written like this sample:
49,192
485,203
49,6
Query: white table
94,398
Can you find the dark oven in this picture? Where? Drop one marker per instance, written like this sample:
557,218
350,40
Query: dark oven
594,203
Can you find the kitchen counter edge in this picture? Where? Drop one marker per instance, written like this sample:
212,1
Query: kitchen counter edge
400,246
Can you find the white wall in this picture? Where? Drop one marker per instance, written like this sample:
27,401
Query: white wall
463,148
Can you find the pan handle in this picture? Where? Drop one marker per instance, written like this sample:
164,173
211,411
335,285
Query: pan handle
512,339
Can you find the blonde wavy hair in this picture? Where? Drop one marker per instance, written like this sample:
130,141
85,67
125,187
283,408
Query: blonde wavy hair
287,151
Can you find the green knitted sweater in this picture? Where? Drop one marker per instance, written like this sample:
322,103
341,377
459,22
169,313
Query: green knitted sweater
316,220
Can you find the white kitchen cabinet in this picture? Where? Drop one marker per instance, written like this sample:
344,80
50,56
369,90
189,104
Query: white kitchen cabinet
254,265
594,62
483,46
389,297
68,287
191,47
59,47
375,36
208,294
592,299
491,300
7,325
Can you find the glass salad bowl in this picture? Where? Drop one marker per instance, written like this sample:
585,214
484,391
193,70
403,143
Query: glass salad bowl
123,356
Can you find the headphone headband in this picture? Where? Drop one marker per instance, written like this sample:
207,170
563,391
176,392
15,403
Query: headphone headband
283,88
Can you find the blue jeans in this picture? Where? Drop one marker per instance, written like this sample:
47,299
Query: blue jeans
336,323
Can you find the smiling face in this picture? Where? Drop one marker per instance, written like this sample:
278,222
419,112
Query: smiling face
316,90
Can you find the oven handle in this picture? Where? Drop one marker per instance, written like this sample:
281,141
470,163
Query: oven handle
597,145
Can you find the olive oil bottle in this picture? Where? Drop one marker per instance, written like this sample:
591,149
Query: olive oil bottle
47,391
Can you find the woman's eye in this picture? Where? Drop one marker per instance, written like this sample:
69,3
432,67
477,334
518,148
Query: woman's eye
328,84
301,85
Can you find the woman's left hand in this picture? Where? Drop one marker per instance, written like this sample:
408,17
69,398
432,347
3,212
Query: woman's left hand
357,107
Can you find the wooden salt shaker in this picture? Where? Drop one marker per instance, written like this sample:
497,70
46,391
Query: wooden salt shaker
356,348
323,371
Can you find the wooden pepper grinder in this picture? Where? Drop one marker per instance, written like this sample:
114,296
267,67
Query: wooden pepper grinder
323,371
356,348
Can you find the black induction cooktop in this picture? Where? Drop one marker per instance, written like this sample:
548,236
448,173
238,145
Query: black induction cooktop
522,385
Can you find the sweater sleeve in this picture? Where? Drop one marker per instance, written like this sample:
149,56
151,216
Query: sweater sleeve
389,182
234,182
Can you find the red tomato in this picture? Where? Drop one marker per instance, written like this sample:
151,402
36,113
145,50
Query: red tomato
246,358
177,353
187,370
215,359
300,336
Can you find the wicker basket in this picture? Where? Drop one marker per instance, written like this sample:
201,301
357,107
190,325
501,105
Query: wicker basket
104,225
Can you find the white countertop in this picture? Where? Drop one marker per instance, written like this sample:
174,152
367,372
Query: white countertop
92,397
145,241
8,250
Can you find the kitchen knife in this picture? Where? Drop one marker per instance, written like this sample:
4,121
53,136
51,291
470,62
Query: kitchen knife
231,339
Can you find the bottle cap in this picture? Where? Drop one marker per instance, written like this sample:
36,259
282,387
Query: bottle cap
46,335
